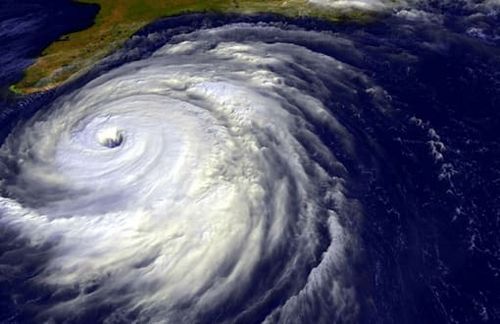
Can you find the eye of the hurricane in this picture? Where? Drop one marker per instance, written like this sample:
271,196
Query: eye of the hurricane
110,137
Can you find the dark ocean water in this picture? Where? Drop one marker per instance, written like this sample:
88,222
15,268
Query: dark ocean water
427,176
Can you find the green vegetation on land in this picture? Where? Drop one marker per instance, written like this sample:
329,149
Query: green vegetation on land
117,20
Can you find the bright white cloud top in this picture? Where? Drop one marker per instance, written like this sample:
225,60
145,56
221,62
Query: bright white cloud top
355,4
172,183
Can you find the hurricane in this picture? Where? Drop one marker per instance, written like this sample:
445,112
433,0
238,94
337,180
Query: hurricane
172,179
225,173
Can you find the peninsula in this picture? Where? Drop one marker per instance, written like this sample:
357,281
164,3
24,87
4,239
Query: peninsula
117,20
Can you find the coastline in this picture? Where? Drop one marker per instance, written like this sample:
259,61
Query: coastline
76,53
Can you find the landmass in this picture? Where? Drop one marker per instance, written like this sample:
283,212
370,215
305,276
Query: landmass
117,20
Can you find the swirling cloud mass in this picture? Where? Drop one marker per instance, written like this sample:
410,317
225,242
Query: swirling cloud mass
259,169
166,186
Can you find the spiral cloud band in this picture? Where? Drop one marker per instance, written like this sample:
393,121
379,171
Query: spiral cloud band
166,187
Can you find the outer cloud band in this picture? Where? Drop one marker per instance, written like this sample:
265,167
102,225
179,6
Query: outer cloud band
195,179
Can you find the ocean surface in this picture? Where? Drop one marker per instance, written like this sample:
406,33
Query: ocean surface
392,208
